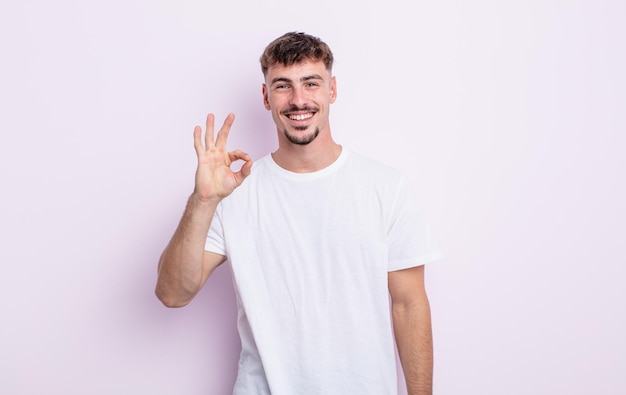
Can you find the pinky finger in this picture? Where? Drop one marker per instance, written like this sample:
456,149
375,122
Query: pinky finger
197,140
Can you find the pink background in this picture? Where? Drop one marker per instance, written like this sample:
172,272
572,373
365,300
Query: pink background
508,117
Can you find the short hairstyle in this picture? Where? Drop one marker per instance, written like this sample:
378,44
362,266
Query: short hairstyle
293,48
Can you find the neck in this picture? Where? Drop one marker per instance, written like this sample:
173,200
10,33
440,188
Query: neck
316,155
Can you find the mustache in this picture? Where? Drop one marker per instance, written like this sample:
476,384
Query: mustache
296,109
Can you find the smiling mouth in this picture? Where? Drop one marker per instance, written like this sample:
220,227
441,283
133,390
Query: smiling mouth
300,114
300,117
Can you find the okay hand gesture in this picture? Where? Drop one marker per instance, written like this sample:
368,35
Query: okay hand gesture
214,177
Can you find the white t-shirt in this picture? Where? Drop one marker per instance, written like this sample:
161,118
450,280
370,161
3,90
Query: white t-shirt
310,254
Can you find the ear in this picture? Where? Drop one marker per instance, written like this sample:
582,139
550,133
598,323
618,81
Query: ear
266,101
333,90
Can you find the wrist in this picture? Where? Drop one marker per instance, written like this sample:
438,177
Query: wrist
203,201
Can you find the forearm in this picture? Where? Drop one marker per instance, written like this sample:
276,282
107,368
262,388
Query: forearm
413,332
180,273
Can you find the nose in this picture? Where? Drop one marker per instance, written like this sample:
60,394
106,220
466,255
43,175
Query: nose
298,97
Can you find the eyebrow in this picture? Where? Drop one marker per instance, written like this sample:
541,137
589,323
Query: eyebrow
302,79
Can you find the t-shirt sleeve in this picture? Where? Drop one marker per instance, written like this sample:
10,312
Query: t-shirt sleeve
411,242
215,236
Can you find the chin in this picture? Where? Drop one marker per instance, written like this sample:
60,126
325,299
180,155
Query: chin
302,140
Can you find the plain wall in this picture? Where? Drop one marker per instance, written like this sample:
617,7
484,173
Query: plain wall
508,116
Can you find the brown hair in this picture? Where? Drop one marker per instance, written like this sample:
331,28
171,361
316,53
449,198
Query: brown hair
293,48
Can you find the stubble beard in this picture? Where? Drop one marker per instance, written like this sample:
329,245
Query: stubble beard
304,140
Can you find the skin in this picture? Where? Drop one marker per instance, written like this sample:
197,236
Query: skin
184,265
291,91
299,98
412,328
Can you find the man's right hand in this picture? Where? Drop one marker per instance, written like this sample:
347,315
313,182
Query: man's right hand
214,177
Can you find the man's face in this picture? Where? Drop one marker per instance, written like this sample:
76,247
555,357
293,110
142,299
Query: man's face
299,97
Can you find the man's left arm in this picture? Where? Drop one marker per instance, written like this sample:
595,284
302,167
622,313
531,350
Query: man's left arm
412,328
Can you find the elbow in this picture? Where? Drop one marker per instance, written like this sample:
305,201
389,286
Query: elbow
170,300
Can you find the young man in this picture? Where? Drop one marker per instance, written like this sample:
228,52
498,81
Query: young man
318,238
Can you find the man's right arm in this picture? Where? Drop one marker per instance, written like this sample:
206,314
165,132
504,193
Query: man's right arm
184,265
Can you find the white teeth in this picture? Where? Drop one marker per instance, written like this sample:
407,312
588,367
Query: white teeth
300,117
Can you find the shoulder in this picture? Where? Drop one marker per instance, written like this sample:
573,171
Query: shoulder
372,169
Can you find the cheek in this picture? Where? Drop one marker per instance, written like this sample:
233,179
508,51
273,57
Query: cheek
278,102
